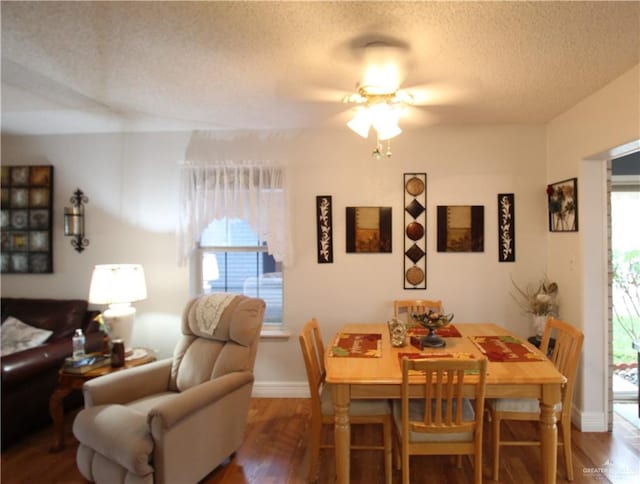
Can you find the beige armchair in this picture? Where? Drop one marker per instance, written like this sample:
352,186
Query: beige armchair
177,419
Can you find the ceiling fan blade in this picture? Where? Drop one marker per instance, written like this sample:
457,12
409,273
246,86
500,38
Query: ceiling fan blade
415,116
434,93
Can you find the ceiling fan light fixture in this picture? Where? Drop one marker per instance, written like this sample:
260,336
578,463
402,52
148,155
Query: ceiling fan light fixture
388,131
361,122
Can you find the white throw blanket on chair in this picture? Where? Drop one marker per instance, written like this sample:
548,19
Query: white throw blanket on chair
209,309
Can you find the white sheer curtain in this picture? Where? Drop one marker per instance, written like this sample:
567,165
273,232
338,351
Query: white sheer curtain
254,191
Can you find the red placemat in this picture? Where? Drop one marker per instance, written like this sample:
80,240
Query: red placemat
505,349
358,345
449,331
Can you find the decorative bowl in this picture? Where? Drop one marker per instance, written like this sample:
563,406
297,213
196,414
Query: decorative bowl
432,321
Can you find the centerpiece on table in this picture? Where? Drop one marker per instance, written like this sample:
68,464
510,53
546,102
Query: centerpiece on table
540,303
432,321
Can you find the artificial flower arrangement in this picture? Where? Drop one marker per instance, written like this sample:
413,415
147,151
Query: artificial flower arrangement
104,327
541,302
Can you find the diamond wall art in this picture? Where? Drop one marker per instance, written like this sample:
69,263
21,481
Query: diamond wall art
415,223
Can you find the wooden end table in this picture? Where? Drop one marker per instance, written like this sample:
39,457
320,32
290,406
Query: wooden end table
67,382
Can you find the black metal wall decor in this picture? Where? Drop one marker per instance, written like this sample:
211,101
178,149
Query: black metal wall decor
324,222
74,220
27,198
415,232
506,228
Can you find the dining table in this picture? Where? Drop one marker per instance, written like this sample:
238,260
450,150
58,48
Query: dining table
375,372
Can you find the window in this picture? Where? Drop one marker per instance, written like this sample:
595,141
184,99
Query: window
233,259
233,229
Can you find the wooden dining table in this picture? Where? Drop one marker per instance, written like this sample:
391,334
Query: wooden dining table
381,377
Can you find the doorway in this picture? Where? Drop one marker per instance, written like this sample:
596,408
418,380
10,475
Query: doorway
625,259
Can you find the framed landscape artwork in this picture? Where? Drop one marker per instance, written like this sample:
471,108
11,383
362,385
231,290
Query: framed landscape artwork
368,229
27,197
563,206
460,228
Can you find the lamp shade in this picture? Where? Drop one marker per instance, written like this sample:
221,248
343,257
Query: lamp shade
117,284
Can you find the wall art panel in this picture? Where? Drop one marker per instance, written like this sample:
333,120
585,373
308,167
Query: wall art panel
27,198
506,227
368,229
324,222
460,228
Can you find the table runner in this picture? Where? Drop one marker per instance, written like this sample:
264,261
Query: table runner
449,331
505,349
358,345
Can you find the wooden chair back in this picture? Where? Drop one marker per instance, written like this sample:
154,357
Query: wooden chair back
407,306
444,382
565,354
446,385
313,354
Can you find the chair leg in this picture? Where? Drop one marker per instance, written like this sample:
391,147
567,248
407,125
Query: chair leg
566,440
495,440
405,465
459,461
386,431
314,446
477,468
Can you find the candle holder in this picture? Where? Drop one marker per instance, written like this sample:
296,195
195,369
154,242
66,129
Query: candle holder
74,220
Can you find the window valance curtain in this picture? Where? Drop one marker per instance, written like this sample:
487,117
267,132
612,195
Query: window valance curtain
250,190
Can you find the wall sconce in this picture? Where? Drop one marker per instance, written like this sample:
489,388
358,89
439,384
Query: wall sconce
74,220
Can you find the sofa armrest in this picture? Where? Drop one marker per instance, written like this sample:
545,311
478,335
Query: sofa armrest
127,385
21,366
171,411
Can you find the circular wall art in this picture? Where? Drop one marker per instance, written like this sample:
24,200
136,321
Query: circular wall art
415,231
415,186
415,275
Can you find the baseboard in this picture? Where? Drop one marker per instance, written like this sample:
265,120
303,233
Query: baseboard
589,421
279,389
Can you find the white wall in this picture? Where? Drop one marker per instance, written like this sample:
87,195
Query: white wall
578,142
131,181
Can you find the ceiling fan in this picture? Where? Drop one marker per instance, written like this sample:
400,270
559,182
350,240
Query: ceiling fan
378,102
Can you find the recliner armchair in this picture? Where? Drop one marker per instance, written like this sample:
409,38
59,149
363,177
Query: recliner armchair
177,419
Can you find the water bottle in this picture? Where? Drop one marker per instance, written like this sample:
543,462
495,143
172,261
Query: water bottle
78,344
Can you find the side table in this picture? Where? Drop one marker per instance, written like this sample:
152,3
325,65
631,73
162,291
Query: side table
67,382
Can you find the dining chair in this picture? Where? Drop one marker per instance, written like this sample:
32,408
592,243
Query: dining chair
377,411
564,355
407,306
444,422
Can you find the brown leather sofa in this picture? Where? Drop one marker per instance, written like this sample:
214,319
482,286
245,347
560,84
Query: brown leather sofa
29,377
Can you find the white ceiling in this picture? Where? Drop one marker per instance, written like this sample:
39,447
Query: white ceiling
132,66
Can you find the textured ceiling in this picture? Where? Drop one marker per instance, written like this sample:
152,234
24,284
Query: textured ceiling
113,66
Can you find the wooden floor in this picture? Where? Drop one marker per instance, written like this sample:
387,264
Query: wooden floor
275,452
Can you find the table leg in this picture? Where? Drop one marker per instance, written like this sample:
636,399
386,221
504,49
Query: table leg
549,433
56,410
342,432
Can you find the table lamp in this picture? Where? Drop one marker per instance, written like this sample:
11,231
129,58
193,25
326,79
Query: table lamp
118,285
